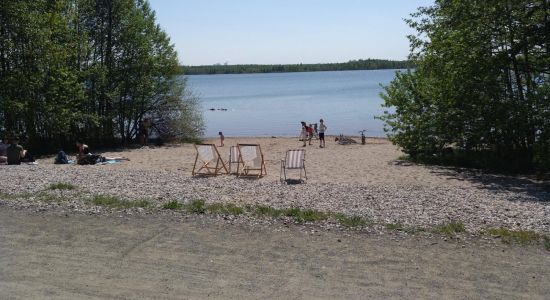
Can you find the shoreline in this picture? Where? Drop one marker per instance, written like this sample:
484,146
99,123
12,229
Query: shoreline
294,68
327,137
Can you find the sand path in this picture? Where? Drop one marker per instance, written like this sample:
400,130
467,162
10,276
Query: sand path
77,256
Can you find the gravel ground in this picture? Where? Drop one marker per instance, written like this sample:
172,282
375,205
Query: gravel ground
410,205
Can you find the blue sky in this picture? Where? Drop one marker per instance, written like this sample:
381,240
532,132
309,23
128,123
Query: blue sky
286,31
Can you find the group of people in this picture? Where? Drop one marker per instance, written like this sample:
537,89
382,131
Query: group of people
12,153
85,157
311,130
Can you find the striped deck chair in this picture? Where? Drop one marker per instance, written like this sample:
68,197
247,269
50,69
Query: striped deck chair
251,160
233,159
208,160
294,159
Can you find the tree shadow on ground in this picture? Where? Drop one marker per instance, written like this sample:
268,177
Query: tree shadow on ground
537,191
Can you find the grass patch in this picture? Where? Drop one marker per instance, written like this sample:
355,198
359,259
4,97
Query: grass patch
49,198
142,203
216,208
225,209
233,209
13,196
291,212
43,196
115,202
451,228
400,227
547,243
394,226
523,237
308,215
352,221
311,215
262,210
413,230
405,158
62,186
172,205
249,208
197,206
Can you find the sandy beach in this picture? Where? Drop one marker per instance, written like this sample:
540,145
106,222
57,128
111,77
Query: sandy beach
375,163
365,180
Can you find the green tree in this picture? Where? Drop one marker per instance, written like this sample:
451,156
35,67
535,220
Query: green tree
480,85
40,91
89,69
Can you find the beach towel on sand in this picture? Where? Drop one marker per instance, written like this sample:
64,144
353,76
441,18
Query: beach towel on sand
110,162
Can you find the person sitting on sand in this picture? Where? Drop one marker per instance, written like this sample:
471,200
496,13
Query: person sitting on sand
15,153
81,146
3,152
91,159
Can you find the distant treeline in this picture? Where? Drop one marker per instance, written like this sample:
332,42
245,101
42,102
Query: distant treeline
362,64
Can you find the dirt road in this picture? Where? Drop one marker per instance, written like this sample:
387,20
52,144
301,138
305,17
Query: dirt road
75,256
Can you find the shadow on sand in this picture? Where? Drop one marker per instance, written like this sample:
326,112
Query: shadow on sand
538,191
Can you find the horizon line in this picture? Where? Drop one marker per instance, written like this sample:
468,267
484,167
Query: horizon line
272,64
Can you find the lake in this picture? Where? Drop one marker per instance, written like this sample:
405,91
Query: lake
273,104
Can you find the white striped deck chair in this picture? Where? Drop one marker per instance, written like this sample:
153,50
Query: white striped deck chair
294,159
208,160
251,160
233,159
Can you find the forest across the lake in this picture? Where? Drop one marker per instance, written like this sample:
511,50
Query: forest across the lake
361,64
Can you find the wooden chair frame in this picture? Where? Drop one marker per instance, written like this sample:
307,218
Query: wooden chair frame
243,169
207,165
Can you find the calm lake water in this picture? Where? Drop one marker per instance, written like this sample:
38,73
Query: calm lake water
273,104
